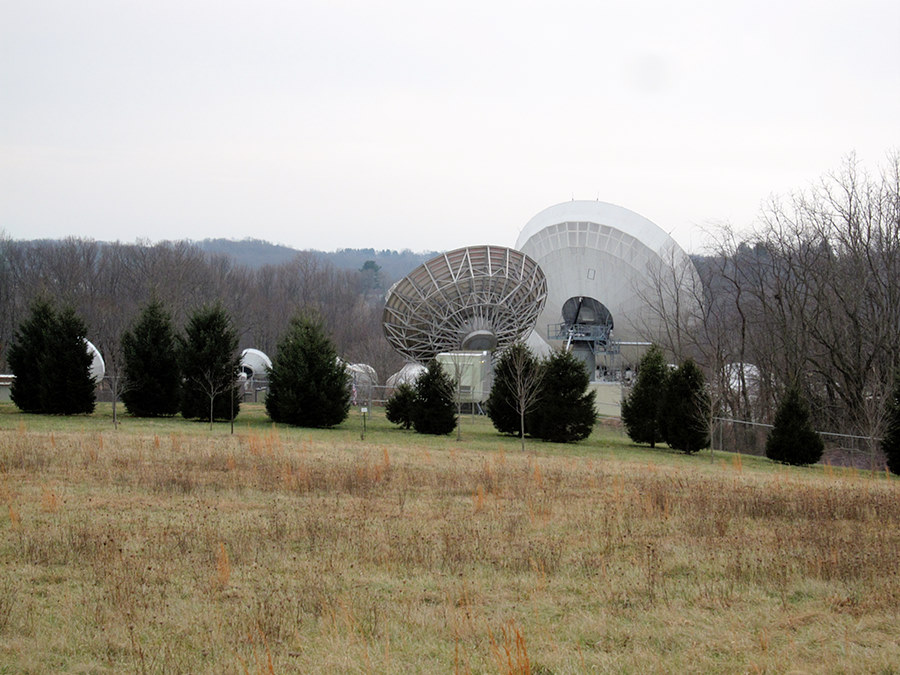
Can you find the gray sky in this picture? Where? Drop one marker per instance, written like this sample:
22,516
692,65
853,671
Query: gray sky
427,125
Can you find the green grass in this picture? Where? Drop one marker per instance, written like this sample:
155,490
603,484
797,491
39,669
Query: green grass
476,433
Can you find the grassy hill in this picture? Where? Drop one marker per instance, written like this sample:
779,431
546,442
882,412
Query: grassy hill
164,546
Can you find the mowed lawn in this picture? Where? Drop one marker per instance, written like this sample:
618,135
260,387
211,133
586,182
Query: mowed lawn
166,547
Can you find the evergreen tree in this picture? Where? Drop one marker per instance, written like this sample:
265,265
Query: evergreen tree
30,342
566,410
642,410
209,365
686,409
152,377
890,443
51,362
71,389
515,391
398,409
792,439
433,412
308,384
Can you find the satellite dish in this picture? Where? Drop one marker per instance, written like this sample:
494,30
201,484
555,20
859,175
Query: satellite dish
478,298
601,260
98,367
254,363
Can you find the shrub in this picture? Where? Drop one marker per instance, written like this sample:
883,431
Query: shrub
686,409
642,410
308,384
209,364
51,362
398,409
565,412
792,440
434,410
152,377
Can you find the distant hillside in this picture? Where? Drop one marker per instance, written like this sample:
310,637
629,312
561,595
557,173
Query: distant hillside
256,253
394,264
251,253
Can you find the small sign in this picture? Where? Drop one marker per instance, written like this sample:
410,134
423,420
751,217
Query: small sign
364,410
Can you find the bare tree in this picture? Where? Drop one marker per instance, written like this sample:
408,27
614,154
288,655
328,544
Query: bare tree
518,380
810,296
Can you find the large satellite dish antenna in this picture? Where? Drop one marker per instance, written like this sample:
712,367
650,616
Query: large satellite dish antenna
602,262
478,298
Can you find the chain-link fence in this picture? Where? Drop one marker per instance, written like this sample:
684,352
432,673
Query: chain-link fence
749,438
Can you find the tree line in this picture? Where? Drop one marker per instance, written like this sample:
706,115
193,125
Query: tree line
808,298
106,284
195,372
544,398
673,405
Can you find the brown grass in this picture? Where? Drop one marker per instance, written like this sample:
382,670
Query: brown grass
257,554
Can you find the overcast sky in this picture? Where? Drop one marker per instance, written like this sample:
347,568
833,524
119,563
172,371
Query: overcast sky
427,125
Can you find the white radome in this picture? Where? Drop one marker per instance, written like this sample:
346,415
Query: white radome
408,374
255,363
363,380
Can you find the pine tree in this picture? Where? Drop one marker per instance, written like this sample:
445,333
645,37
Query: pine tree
433,412
792,439
308,384
209,365
152,377
515,391
686,410
566,410
398,409
51,362
890,443
642,410
30,342
72,389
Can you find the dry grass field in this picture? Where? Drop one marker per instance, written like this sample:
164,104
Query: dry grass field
166,548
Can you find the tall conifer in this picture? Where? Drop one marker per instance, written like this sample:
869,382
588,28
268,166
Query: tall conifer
686,413
434,410
792,439
308,384
565,412
50,359
890,443
152,377
209,364
642,410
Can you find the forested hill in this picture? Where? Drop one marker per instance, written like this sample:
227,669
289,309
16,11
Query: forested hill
255,253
